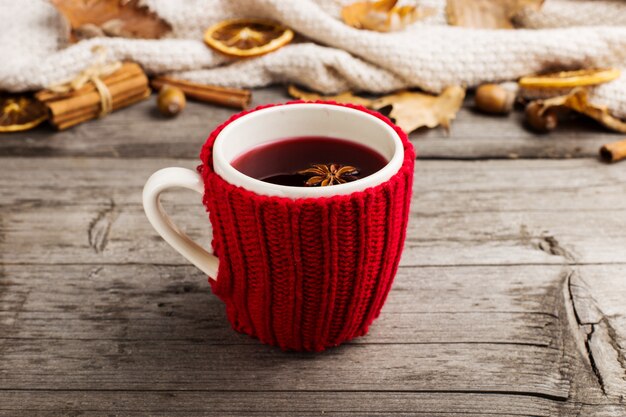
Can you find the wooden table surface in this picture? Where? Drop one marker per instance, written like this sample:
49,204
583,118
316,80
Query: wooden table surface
510,298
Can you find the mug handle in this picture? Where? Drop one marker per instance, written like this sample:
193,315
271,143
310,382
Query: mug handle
160,181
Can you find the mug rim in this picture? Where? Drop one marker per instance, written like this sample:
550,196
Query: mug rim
230,174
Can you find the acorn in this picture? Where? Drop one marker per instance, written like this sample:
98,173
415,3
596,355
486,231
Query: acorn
494,99
539,118
171,100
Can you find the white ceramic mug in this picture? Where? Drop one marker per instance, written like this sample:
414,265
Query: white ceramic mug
258,128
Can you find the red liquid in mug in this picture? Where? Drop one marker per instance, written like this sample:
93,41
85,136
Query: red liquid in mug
279,162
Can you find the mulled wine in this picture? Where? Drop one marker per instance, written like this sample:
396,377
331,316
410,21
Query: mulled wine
309,161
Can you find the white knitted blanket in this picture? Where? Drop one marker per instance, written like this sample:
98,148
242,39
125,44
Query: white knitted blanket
331,56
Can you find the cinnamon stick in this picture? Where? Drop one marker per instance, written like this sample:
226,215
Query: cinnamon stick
94,109
126,86
90,114
66,123
231,97
92,98
128,70
613,152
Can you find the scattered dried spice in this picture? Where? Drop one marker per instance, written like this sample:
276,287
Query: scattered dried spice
412,110
578,100
323,175
613,152
20,112
487,14
124,18
247,37
225,96
382,15
345,97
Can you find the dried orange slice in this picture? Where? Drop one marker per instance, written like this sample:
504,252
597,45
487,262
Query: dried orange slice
566,79
20,112
247,37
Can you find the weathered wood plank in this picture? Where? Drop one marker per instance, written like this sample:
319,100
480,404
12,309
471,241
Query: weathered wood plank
594,410
523,185
109,233
135,302
525,357
88,225
599,299
555,341
177,403
533,352
168,365
139,132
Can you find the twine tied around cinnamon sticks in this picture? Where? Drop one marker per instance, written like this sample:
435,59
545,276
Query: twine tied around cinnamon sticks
95,92
93,74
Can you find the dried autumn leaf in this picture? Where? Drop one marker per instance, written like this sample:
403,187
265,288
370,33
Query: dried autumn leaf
345,97
487,14
382,15
412,110
128,17
578,100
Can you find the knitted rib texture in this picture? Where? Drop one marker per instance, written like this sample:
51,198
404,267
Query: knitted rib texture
309,273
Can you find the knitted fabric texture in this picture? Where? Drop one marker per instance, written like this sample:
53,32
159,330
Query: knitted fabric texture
309,273
428,54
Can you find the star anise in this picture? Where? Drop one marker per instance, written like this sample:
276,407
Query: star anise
329,174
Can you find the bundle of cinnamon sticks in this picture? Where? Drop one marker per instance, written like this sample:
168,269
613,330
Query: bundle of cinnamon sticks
126,86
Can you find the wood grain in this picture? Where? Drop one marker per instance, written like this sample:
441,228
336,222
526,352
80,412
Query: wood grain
174,303
509,300
527,361
140,132
159,329
529,215
177,403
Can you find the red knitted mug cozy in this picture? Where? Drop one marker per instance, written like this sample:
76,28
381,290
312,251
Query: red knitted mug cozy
309,273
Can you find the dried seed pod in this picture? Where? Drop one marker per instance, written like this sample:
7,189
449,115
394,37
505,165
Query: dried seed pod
539,118
115,28
171,100
494,98
88,31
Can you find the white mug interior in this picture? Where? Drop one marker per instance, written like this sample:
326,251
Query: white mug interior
308,119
